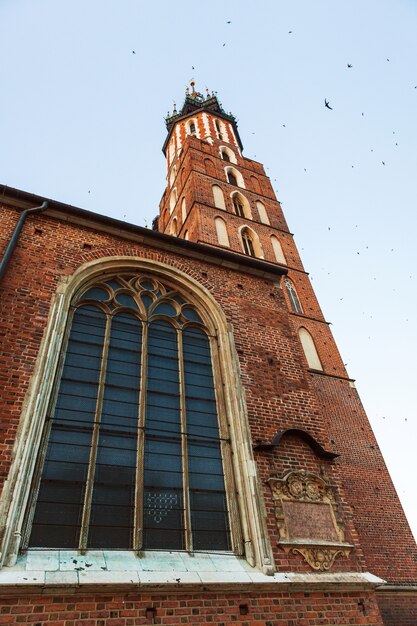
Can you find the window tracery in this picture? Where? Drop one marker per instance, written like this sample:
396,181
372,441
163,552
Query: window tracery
133,449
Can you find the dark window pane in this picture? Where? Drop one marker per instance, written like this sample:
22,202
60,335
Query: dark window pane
96,293
67,457
126,300
116,452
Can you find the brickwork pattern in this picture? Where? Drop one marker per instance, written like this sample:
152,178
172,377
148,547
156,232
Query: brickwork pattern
278,609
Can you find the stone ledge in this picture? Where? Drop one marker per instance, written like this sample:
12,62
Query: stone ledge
66,571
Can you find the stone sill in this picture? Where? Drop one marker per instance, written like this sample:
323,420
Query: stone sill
47,571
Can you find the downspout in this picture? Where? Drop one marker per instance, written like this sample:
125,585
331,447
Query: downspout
13,241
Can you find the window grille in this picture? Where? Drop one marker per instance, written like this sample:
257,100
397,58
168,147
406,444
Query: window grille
133,449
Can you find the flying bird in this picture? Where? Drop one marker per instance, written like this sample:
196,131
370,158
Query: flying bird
229,22
224,45
327,105
289,32
133,52
383,162
349,65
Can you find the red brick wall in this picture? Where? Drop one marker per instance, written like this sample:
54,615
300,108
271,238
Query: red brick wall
398,609
278,609
384,533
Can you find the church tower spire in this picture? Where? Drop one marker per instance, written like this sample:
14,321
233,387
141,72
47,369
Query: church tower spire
214,194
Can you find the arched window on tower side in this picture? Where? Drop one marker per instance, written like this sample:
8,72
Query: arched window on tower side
227,154
191,128
263,215
277,248
174,227
218,198
210,167
173,199
250,242
241,205
256,186
293,296
221,231
183,210
234,177
310,349
218,129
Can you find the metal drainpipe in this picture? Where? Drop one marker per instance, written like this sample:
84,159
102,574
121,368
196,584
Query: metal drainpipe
13,241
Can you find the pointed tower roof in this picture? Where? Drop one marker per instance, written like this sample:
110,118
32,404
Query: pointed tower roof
195,101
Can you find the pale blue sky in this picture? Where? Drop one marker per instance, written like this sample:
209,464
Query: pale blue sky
79,112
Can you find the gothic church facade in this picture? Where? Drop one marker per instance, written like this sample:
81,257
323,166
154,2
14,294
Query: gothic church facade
179,440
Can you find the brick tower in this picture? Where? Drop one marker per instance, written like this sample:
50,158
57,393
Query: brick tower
218,197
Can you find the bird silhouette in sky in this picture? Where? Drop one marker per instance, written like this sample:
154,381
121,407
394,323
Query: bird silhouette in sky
349,65
229,22
224,45
327,105
133,52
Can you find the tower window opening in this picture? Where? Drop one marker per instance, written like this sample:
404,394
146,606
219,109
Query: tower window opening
293,296
310,350
238,206
218,130
192,129
232,178
248,245
225,156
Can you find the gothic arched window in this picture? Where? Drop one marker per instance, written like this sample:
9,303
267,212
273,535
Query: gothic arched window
293,296
133,450
238,207
218,198
231,177
310,349
218,129
248,243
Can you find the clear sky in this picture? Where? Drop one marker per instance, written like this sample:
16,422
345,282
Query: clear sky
82,122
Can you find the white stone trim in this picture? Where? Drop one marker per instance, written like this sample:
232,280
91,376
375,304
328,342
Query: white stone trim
171,571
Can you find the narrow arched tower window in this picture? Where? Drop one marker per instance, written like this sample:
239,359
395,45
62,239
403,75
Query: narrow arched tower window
192,128
263,215
279,255
238,205
218,198
221,230
231,178
248,243
310,349
218,129
293,296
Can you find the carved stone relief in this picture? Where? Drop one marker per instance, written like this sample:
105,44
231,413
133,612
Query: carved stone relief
307,518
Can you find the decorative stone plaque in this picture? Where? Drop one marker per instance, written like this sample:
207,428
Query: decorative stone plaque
307,518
